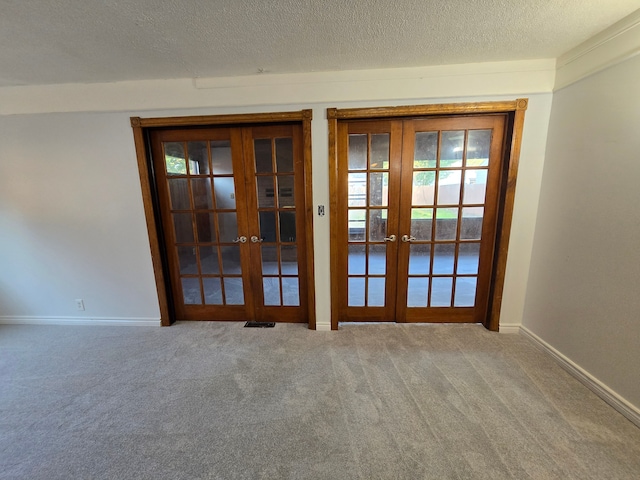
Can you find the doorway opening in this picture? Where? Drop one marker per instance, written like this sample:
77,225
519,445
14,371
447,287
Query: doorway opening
228,207
421,209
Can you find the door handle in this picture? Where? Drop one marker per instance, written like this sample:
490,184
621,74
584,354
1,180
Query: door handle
408,238
241,239
390,238
255,239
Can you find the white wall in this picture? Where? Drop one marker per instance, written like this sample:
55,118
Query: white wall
583,294
71,218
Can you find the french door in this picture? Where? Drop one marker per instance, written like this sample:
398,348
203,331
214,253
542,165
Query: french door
232,207
416,214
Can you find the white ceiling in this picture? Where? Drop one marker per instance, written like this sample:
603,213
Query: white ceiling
84,41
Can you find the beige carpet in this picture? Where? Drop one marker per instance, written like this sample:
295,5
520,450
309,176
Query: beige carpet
218,401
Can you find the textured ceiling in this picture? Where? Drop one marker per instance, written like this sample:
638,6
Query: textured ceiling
65,41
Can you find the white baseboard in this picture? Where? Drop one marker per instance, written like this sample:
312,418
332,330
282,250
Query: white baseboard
323,327
509,328
132,322
619,403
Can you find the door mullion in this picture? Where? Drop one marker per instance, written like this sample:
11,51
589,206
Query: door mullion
253,267
404,168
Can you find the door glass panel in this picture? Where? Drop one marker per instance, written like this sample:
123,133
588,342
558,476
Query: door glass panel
375,297
421,223
270,260
426,150
449,187
174,158
187,260
478,146
418,290
380,151
468,257
198,158
419,260
212,291
357,219
209,260
377,259
230,260
446,223
266,193
289,259
191,291
357,259
377,225
221,157
356,292
183,227
357,189
201,191
225,192
284,155
287,226
465,292
233,291
378,189
357,152
443,258
228,227
179,193
451,149
285,191
475,186
206,227
471,224
268,226
424,184
441,288
264,163
290,291
271,290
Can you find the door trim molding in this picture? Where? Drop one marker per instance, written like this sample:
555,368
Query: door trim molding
515,110
141,128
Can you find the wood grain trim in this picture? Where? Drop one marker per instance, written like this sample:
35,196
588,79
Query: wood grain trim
421,110
308,194
493,319
154,243
333,214
233,119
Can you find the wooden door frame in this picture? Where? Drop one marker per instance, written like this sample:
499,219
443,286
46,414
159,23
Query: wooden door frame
515,111
141,128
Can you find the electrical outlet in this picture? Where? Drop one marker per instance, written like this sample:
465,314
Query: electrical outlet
80,304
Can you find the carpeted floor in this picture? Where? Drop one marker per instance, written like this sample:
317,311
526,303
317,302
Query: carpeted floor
218,401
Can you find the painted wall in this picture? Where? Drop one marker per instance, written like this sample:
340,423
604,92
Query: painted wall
582,297
71,217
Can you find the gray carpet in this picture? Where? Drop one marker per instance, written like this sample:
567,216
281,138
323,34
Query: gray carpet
218,401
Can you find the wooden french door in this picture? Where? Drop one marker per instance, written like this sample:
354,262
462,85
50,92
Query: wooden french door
232,207
417,214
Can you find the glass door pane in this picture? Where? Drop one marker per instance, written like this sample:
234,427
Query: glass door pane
205,223
370,227
439,221
275,190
